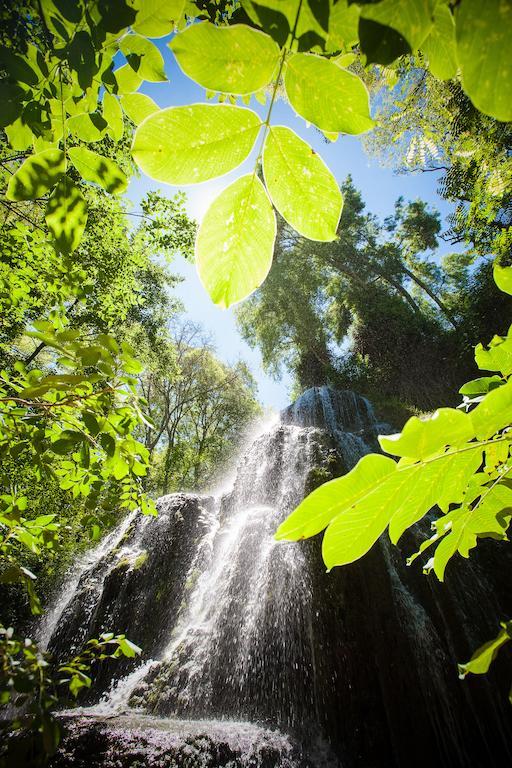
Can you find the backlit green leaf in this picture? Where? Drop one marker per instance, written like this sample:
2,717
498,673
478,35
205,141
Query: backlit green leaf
338,102
98,169
503,278
483,33
439,46
186,145
138,106
88,127
300,185
483,657
323,504
494,412
127,79
156,18
66,215
423,437
412,19
113,116
144,58
36,175
235,241
481,385
498,357
237,59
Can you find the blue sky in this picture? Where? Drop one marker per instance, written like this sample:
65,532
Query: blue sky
379,186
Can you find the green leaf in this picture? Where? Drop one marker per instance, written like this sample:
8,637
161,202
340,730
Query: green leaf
17,67
98,169
144,58
237,59
466,524
499,355
483,657
128,648
66,215
481,385
323,504
338,102
411,19
19,135
503,278
483,49
235,241
113,116
11,97
494,412
186,145
127,79
423,437
156,18
138,106
36,175
300,185
88,127
439,46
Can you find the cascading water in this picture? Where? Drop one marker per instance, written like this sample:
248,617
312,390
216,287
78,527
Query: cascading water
248,641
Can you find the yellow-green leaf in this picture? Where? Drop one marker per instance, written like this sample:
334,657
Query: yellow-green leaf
439,46
423,437
36,175
237,59
187,145
325,94
503,278
128,81
66,215
235,241
494,412
113,116
325,503
483,31
156,18
300,185
138,106
98,169
88,127
144,58
483,657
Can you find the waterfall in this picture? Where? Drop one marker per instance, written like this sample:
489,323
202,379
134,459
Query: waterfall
251,636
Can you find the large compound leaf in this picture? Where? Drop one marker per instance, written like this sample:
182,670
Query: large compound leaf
326,95
439,46
66,215
235,241
98,169
144,58
36,175
187,145
156,18
483,33
323,504
358,506
237,59
300,185
138,106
